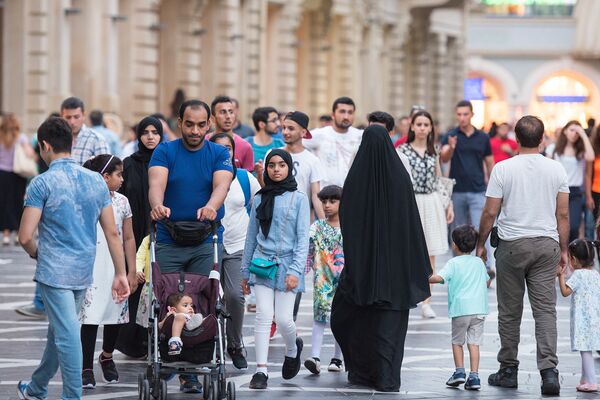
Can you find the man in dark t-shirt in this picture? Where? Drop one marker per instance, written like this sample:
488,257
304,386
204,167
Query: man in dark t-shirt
468,149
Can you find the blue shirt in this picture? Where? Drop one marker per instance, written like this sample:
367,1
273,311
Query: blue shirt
467,161
190,181
71,199
466,277
261,151
111,138
287,242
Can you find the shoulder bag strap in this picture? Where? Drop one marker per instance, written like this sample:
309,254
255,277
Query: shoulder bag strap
244,181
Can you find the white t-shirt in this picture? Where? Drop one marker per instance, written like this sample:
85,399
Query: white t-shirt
574,167
307,170
336,152
528,185
236,217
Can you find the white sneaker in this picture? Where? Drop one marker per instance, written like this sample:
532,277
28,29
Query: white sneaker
335,365
6,241
427,311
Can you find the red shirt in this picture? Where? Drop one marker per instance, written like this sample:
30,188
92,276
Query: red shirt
499,155
244,156
401,141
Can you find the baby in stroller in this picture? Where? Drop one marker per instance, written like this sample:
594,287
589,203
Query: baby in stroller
181,306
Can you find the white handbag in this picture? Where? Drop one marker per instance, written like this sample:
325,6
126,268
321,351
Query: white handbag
23,165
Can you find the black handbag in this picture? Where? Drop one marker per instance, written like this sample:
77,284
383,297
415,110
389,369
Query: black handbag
190,233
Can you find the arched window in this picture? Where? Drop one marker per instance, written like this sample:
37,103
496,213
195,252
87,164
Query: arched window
563,97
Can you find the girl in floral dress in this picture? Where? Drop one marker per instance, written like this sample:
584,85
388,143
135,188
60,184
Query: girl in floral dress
326,259
98,307
584,288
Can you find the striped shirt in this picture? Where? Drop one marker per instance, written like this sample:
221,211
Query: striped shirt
89,143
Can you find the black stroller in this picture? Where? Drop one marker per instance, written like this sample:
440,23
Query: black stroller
200,356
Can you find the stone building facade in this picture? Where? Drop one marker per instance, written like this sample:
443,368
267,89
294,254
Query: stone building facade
129,56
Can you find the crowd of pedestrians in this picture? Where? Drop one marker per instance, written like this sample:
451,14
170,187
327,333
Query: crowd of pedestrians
365,212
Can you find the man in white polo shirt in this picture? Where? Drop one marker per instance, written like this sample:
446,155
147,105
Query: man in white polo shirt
533,231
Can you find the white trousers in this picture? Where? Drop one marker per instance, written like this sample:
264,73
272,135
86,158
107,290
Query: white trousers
269,302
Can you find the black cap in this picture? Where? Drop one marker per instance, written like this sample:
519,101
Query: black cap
299,117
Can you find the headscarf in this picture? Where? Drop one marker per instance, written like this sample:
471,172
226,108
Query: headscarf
144,153
386,259
135,181
264,211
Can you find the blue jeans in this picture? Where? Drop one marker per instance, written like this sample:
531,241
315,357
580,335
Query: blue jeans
63,346
37,299
468,207
576,205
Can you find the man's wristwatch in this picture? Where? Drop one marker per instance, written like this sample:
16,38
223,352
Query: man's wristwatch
34,256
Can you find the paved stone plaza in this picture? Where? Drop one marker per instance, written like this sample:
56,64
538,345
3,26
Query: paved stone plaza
427,362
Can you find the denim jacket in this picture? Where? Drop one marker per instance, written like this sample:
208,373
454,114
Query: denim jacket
287,242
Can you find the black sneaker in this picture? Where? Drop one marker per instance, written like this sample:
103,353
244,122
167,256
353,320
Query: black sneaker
505,377
238,359
313,364
109,369
550,381
291,366
88,380
189,384
259,381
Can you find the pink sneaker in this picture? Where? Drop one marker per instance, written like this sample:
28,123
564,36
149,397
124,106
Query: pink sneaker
587,387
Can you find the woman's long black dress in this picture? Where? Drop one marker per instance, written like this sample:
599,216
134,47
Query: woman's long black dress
387,265
133,338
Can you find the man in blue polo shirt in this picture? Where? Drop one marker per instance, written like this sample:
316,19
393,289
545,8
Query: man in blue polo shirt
189,179
468,149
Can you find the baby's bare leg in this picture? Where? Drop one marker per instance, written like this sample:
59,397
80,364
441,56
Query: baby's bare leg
178,324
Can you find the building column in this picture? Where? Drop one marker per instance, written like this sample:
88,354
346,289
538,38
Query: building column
419,62
26,75
439,78
141,49
59,82
179,51
253,19
398,101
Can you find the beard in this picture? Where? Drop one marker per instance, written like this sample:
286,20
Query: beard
343,124
188,140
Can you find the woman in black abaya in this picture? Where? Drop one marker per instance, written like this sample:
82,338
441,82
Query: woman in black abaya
387,264
132,337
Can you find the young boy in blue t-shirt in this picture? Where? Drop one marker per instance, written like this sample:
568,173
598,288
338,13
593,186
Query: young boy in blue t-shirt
467,280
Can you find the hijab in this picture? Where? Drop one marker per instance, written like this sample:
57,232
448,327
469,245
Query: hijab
135,181
264,211
386,259
144,154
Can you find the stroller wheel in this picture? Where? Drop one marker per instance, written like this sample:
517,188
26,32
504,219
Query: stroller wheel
162,391
144,391
230,390
214,391
206,388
